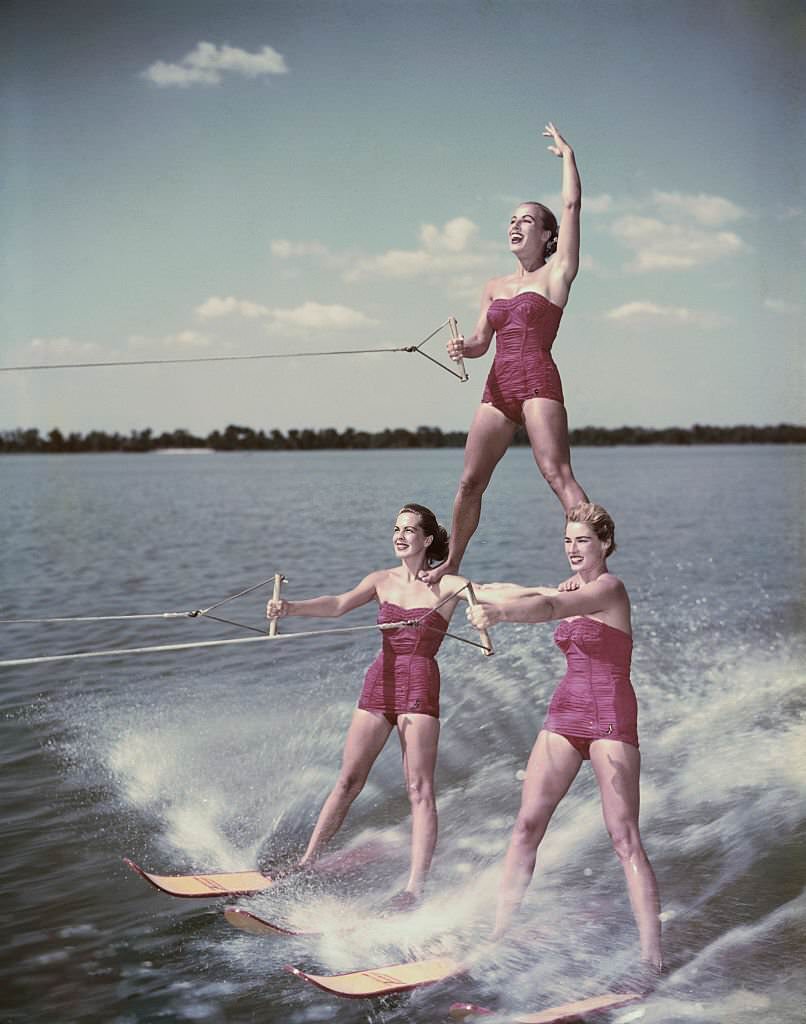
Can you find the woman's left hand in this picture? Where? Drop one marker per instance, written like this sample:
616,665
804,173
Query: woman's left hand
559,147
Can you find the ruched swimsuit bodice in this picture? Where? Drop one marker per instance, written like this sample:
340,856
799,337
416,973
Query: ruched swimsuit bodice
525,327
405,674
595,698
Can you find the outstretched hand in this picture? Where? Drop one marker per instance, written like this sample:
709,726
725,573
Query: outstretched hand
569,584
276,609
559,146
482,616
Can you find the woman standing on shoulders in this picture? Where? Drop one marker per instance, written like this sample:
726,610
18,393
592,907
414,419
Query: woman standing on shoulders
401,687
523,388
593,715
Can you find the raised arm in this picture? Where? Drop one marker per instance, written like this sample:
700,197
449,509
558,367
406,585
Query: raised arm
326,606
565,263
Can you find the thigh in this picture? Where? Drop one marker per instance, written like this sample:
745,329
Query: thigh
618,770
546,424
553,766
368,732
489,437
419,738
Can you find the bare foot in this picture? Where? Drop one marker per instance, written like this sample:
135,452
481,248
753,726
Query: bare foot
433,576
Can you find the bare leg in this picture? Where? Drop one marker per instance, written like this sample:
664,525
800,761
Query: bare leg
489,437
617,766
547,426
368,732
419,735
553,766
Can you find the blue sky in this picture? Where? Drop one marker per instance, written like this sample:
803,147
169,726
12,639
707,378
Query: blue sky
206,179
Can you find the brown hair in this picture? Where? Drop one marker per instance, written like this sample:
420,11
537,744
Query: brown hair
549,224
438,548
599,520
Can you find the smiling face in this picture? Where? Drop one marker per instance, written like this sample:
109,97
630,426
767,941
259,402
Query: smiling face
527,236
408,537
586,553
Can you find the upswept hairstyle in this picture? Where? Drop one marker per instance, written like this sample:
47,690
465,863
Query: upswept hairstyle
549,224
438,548
599,520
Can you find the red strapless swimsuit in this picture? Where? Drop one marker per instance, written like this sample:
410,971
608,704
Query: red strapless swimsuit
405,675
525,327
595,699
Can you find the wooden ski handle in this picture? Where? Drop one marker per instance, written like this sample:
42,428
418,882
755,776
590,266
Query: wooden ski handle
485,636
454,326
279,580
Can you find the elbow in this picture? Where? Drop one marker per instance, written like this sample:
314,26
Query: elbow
572,203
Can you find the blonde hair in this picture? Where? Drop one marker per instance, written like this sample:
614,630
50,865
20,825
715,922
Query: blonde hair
599,520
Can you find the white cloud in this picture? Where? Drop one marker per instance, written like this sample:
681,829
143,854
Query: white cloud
644,312
216,307
314,315
597,204
186,339
451,249
208,63
63,348
709,210
783,307
658,245
286,250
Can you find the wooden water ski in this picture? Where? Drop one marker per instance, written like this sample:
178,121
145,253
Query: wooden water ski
246,883
566,1012
383,981
229,883
255,924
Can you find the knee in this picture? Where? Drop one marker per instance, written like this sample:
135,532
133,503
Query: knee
421,793
350,784
555,473
472,484
529,828
626,841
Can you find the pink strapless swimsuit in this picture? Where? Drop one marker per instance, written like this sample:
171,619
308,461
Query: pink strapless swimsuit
405,675
525,327
595,699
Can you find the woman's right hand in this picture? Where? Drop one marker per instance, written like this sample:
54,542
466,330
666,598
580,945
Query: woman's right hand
276,609
456,348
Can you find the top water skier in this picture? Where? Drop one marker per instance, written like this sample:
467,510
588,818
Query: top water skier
401,687
593,715
523,310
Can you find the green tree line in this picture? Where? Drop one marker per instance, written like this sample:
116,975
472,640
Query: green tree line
237,438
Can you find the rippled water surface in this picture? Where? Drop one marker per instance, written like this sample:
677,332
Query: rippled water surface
216,758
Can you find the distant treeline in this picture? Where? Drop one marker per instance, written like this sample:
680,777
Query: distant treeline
236,438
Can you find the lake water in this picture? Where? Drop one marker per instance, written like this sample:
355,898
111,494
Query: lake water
216,758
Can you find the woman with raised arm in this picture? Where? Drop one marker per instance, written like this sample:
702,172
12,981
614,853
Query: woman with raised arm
401,687
593,715
523,388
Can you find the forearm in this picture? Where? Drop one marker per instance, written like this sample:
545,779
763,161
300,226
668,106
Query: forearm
325,607
572,186
475,346
526,608
507,591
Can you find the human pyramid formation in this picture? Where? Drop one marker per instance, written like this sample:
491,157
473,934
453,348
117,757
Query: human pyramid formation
593,712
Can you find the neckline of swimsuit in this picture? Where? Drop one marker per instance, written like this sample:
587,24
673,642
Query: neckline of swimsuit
408,611
590,618
518,295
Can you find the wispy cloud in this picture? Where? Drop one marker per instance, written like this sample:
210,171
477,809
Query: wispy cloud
207,64
309,315
641,312
712,211
451,249
286,250
659,245
783,307
217,307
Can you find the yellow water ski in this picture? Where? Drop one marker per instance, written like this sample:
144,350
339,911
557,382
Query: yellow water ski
382,981
554,1014
230,883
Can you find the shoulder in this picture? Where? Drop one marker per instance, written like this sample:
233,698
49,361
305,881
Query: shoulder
610,586
495,286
